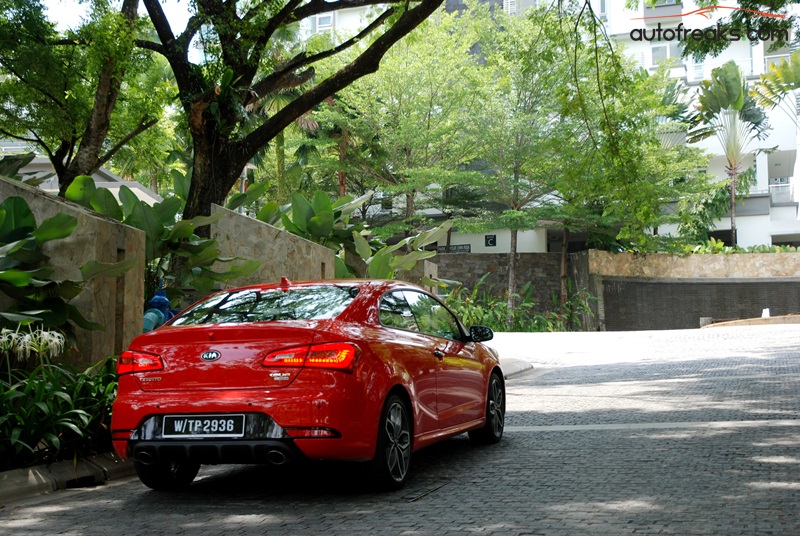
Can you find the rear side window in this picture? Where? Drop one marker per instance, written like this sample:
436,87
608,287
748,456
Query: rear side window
395,312
302,303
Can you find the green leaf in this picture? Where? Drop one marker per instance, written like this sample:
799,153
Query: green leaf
181,182
104,202
128,199
99,269
380,265
200,221
11,164
362,246
145,218
431,236
249,196
302,212
18,217
59,226
18,278
75,316
321,225
181,230
347,205
81,190
167,210
23,319
341,270
270,213
407,261
321,203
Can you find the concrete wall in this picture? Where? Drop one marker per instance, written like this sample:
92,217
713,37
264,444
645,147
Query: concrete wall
660,291
115,303
280,253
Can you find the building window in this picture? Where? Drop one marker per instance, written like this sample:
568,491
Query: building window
320,23
667,2
664,52
510,6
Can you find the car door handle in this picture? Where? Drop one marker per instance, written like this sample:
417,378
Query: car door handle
438,353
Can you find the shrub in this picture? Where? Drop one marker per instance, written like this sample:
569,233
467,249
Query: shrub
477,307
55,412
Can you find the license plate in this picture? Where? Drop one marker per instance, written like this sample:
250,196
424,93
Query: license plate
203,426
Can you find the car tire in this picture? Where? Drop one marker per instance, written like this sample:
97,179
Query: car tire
167,476
389,468
492,431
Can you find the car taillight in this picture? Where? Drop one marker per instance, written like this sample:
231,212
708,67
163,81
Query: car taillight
338,356
131,361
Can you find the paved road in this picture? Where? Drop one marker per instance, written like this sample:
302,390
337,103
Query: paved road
680,432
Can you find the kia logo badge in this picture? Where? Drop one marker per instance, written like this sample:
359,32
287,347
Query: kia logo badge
211,355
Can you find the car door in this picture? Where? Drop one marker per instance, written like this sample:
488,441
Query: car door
415,352
459,374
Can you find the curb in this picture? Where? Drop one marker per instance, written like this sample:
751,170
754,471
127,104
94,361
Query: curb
20,484
513,367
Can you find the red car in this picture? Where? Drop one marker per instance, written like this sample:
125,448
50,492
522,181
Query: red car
327,370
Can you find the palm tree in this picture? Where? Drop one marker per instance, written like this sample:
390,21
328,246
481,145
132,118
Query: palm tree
729,112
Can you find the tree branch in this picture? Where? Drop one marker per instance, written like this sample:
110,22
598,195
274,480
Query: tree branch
276,81
364,64
141,127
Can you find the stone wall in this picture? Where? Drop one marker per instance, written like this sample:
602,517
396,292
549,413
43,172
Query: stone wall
541,270
115,303
280,253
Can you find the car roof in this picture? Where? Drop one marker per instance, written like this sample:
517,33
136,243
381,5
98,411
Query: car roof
380,285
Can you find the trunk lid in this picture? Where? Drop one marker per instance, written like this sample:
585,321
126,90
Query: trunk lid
225,356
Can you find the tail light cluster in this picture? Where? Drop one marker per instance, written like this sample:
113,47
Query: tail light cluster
337,356
134,361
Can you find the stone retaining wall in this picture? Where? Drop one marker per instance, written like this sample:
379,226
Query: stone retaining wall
115,303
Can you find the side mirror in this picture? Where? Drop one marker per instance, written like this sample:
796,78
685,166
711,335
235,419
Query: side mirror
481,333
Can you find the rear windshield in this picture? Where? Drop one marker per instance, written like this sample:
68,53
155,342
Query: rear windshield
302,303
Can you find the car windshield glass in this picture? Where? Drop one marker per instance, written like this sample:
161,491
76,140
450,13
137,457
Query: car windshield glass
303,303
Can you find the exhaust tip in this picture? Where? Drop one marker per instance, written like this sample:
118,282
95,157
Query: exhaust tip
276,457
145,458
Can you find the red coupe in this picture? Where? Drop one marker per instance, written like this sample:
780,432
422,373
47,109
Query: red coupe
324,370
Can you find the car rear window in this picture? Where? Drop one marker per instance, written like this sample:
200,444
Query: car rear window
302,303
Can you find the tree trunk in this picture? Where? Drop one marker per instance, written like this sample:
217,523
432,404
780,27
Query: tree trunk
341,174
512,279
87,159
734,178
280,165
564,255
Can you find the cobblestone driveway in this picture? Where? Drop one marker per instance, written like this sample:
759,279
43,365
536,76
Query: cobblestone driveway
685,432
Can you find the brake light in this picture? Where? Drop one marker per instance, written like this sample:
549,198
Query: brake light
132,361
338,356
291,357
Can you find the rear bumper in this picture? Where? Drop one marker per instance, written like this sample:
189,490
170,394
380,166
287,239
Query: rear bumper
343,407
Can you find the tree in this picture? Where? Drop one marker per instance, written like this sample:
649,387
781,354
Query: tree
59,93
729,112
404,127
216,95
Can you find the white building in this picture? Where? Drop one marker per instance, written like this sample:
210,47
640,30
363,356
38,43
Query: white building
768,213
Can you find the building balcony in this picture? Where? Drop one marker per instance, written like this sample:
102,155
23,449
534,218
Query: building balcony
781,193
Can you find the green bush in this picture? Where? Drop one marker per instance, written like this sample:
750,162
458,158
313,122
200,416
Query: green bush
55,412
476,307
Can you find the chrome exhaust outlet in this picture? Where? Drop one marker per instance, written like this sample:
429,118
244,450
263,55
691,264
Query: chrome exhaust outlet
276,457
145,458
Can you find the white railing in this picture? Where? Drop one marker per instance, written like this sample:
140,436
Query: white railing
781,193
702,71
774,60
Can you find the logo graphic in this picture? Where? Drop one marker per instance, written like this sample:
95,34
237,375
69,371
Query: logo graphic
708,11
713,33
211,355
